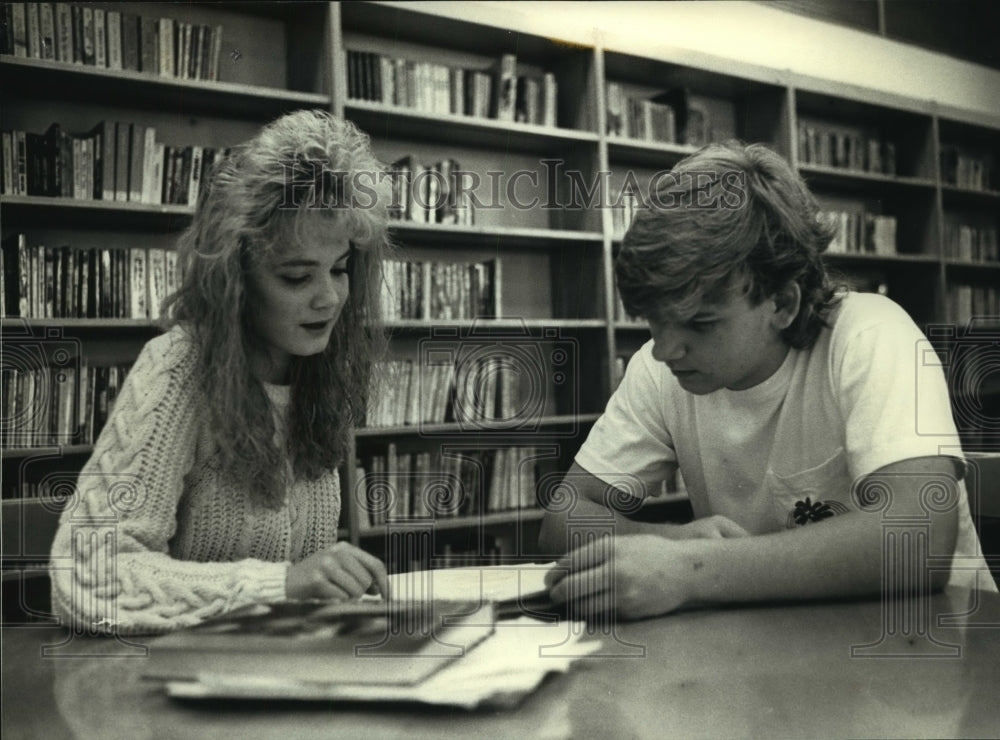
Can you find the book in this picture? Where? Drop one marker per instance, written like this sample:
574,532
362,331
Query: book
506,89
149,44
130,41
87,36
48,30
100,38
114,39
349,644
64,32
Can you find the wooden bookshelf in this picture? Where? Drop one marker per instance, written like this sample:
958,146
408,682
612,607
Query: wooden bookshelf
552,234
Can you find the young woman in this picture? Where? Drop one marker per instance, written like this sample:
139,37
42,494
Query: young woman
214,483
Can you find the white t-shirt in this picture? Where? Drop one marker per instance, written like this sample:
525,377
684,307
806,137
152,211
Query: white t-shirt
788,451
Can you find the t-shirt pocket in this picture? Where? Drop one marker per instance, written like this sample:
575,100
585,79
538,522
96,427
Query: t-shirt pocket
810,495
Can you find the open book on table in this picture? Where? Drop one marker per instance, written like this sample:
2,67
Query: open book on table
515,589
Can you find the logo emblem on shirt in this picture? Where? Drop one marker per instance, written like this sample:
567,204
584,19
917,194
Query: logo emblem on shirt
813,511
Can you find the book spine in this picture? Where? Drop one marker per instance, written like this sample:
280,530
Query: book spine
19,24
100,38
34,30
114,39
194,178
87,35
506,88
130,42
64,32
166,47
137,154
148,183
21,157
48,30
123,139
149,46
213,64
108,146
8,162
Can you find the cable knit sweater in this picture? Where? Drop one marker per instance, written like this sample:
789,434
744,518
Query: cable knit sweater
157,536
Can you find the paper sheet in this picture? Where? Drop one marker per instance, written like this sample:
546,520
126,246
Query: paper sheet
495,583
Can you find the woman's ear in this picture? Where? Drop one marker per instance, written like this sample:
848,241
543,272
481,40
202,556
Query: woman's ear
786,305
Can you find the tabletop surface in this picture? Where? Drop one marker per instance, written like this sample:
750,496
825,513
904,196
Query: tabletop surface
833,669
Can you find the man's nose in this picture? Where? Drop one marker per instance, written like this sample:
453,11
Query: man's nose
668,346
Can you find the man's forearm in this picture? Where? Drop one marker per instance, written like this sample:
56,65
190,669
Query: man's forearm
841,556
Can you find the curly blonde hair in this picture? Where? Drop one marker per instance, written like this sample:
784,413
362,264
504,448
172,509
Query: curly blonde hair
303,165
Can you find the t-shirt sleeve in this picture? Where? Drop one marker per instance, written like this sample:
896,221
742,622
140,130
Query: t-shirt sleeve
892,393
111,569
629,446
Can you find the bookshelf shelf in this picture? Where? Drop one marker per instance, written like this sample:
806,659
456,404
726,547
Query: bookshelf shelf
823,176
93,325
95,213
494,429
493,519
381,119
956,196
415,233
983,265
78,82
901,260
492,325
22,453
647,153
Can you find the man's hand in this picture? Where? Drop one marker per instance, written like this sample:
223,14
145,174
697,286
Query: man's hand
634,576
337,573
709,528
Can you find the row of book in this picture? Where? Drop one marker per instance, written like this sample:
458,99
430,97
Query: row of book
670,117
486,387
440,290
45,405
430,193
859,232
967,169
499,93
73,283
963,242
115,161
829,146
78,33
966,302
408,485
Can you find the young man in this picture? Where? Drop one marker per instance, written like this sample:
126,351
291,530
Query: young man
789,409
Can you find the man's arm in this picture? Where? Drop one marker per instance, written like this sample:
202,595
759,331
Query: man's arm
841,556
594,499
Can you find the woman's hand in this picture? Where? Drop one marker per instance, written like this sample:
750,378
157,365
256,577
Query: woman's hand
338,573
633,576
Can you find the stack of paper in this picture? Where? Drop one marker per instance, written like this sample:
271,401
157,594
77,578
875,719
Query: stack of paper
500,671
497,662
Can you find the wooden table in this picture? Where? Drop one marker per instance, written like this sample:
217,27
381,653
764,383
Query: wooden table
849,669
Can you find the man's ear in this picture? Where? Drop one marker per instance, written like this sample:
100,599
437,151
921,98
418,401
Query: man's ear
786,305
